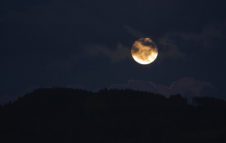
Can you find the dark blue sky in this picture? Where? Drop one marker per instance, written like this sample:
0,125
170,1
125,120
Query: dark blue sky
87,44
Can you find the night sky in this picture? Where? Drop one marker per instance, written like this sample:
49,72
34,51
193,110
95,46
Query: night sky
86,44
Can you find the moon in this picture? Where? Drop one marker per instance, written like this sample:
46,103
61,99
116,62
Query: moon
144,51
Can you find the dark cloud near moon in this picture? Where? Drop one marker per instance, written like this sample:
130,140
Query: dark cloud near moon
118,53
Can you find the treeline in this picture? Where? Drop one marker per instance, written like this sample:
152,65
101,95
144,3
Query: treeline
61,115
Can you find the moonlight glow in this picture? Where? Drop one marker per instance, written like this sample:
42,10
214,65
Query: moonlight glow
144,51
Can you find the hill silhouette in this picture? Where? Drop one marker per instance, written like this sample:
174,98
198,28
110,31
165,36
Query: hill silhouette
62,115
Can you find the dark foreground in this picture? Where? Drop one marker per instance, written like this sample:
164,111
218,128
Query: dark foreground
111,116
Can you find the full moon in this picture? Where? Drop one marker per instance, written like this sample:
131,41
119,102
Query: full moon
144,51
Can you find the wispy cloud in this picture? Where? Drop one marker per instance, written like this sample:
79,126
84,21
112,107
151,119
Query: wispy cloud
181,45
114,54
186,86
169,49
135,33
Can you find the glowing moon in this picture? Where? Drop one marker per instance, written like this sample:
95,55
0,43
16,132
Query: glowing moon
144,51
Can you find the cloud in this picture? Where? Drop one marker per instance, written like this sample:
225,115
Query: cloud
135,33
169,49
186,45
190,86
117,54
186,86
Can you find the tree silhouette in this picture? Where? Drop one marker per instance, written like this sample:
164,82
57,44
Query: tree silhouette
73,115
